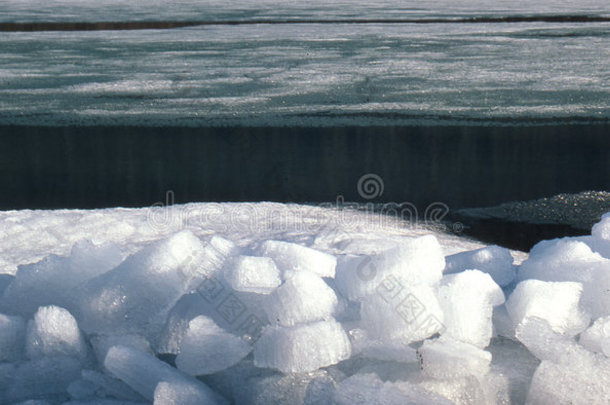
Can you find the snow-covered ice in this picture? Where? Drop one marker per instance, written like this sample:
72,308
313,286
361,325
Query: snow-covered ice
412,315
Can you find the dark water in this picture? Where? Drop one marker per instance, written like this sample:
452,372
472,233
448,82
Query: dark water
461,166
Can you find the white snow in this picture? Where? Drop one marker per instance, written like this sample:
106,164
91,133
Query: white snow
423,320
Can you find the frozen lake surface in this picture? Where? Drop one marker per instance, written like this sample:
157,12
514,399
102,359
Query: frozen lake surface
304,74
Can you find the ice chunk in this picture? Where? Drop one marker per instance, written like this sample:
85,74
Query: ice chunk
290,256
137,296
412,262
597,337
54,280
47,377
143,372
12,336
277,388
365,347
253,274
107,386
302,348
572,260
601,230
397,312
54,332
467,300
102,343
446,358
207,349
215,254
304,297
459,390
556,302
493,260
556,384
365,389
180,393
320,391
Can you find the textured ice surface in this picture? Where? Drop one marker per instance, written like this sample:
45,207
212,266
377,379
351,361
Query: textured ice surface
365,347
137,295
46,377
313,362
12,337
397,312
176,392
467,300
293,388
259,75
290,256
102,343
54,332
568,373
494,260
556,302
572,260
207,349
253,274
143,372
304,297
55,279
302,348
365,389
449,358
415,261
107,386
597,337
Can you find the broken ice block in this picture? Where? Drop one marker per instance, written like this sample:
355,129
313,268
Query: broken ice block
137,296
290,256
207,349
556,302
467,300
569,259
253,274
304,297
493,260
365,389
302,348
445,358
143,372
54,332
597,337
47,377
412,262
54,280
397,312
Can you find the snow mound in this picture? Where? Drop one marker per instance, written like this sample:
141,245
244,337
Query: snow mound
204,317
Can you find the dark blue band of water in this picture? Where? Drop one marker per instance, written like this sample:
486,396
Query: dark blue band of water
461,166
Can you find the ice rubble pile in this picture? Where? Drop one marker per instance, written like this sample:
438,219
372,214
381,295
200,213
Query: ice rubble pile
191,321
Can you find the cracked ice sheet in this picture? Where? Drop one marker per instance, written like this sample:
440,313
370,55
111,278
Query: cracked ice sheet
309,74
27,236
